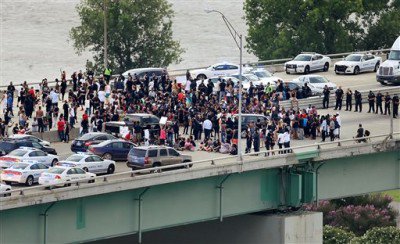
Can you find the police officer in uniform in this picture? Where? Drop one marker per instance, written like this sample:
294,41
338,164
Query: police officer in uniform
395,101
325,101
387,103
358,99
339,98
379,99
349,97
371,102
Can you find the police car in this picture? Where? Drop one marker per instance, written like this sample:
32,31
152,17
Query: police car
4,189
26,172
61,176
89,163
27,153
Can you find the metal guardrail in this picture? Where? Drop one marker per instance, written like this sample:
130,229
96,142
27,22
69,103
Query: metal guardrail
229,161
317,100
263,62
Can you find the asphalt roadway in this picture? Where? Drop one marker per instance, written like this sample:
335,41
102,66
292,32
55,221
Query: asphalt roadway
375,123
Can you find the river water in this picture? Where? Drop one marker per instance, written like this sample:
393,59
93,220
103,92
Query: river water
34,37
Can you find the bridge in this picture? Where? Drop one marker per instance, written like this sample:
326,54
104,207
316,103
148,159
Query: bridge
128,203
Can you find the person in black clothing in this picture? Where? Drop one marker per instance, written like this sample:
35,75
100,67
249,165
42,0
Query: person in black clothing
379,99
339,98
63,88
387,103
371,102
349,97
249,140
66,110
360,133
395,101
325,101
358,99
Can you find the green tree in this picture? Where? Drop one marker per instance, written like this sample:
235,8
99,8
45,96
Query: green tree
139,33
279,29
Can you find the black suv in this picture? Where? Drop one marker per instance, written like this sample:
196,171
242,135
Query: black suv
8,145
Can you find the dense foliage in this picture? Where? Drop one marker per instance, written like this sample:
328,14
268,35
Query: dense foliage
336,235
379,236
281,29
139,33
357,214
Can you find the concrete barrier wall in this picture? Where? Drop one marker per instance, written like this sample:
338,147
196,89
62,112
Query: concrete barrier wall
52,136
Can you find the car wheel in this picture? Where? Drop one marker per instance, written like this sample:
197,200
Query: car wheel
29,181
188,165
85,169
7,194
91,181
376,67
67,184
107,156
356,70
156,165
111,169
201,77
326,67
53,163
307,70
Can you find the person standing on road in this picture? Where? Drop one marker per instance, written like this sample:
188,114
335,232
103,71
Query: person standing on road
338,124
349,97
61,128
379,99
286,141
63,88
39,118
332,129
207,127
387,103
358,99
371,102
339,98
395,101
325,101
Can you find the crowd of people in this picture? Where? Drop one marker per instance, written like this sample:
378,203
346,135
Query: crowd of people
200,117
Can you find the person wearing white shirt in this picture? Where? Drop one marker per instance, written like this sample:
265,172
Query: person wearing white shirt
286,140
54,98
280,141
187,85
339,120
102,96
207,127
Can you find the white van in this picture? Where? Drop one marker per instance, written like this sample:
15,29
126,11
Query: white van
389,72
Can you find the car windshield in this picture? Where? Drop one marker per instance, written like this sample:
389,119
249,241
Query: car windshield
354,58
302,57
56,170
394,55
138,152
18,153
263,74
75,158
252,77
318,79
19,166
86,136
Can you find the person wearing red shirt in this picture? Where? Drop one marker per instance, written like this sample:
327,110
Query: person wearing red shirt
61,128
